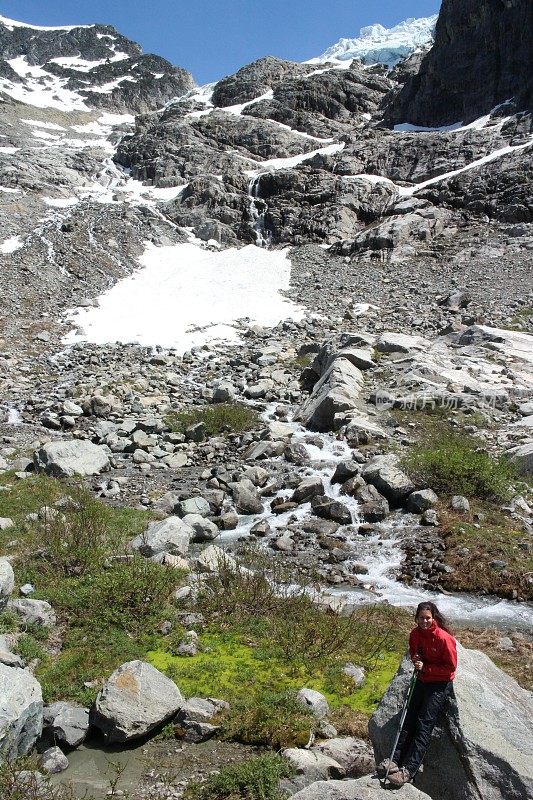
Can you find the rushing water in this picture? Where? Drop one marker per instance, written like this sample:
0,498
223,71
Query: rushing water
258,211
380,554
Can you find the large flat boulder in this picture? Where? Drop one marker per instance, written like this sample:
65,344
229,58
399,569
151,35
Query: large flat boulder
134,700
483,745
170,535
68,458
21,712
366,788
384,473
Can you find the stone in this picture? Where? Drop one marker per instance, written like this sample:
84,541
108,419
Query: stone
390,342
212,558
193,505
66,723
383,473
314,701
204,529
280,430
522,457
223,392
338,390
21,712
366,788
482,746
345,470
356,674
422,500
6,523
67,458
355,756
311,766
134,700
460,504
36,612
246,497
327,508
171,535
307,489
7,582
52,761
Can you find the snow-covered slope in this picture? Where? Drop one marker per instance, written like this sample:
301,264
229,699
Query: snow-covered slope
378,45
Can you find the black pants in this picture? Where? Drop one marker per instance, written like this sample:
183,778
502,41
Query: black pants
426,703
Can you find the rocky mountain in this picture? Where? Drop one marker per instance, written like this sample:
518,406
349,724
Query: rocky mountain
237,310
482,57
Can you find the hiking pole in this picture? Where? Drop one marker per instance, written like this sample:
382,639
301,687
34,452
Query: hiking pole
402,719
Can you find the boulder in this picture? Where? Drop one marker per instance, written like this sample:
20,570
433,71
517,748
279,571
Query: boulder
204,529
193,720
390,342
21,712
170,535
522,457
482,747
66,723
35,612
384,473
7,581
134,700
53,761
337,391
212,558
65,459
311,766
246,497
313,701
355,756
422,500
367,788
193,505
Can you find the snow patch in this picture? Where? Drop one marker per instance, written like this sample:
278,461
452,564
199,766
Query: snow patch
11,245
185,296
13,23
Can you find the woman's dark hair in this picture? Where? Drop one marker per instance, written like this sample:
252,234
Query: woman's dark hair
435,613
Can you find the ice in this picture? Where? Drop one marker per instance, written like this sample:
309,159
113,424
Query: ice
8,151
38,124
60,202
11,245
185,295
378,45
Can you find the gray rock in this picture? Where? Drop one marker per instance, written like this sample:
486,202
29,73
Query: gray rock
134,700
357,674
6,523
460,503
482,746
53,761
37,612
307,489
171,535
422,500
67,723
314,701
223,392
204,529
21,712
361,789
7,581
337,391
327,508
522,457
246,497
193,505
311,766
383,473
354,755
212,558
390,342
68,458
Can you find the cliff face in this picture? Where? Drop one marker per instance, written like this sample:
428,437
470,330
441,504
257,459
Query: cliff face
482,56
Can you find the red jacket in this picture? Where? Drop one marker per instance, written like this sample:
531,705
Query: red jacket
436,648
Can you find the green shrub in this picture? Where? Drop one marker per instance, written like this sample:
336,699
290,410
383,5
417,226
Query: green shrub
454,463
273,719
256,779
20,781
29,648
8,622
219,418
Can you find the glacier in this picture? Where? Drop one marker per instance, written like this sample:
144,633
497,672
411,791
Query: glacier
379,45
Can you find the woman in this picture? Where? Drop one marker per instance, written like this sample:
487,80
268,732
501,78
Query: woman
433,652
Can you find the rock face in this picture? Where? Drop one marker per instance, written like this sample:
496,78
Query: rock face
69,458
21,712
482,56
135,699
7,582
483,746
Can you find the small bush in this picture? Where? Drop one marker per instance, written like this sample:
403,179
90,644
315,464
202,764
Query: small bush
256,779
220,418
20,781
276,720
454,463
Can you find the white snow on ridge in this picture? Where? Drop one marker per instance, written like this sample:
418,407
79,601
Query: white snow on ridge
185,296
378,45
82,65
272,164
13,23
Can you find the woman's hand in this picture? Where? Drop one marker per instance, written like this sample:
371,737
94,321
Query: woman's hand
418,663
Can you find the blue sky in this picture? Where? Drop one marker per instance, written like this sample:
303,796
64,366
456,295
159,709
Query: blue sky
213,38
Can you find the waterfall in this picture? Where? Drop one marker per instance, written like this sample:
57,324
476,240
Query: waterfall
258,212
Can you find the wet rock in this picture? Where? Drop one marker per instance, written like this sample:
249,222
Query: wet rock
52,761
66,723
330,509
383,473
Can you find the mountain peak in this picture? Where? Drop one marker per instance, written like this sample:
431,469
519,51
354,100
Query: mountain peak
379,45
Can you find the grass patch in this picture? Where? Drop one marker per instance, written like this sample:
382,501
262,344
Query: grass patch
219,418
20,780
456,463
474,550
256,779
